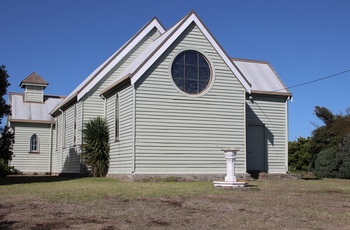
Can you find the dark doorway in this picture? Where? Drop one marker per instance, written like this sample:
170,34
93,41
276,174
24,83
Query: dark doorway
256,149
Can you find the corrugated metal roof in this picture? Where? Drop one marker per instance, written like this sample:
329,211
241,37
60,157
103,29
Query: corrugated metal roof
35,79
32,111
262,76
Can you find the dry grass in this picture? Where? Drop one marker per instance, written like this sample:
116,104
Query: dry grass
91,203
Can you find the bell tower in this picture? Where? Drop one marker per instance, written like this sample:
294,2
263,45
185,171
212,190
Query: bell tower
34,86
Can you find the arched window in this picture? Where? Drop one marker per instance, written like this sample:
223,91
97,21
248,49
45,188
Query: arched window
34,143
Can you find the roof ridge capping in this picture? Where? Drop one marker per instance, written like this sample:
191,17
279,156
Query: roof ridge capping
106,66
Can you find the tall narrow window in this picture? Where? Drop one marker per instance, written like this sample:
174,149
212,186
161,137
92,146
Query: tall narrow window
116,123
56,131
34,143
75,125
64,126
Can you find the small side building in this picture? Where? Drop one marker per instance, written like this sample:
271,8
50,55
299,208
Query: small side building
33,125
266,118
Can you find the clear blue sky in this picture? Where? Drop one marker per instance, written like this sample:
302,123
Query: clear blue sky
64,41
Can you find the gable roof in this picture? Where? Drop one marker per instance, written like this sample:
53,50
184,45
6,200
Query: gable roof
113,60
144,61
263,77
33,79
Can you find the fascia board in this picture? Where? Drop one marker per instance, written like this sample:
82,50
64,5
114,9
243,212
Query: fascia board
128,48
86,85
161,50
119,80
174,36
223,55
279,79
138,62
32,121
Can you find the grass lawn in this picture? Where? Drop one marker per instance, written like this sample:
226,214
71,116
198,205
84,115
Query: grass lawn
104,203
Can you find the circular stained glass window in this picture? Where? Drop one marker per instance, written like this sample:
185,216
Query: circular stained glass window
191,72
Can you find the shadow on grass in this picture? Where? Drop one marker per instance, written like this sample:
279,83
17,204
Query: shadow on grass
24,179
6,224
311,178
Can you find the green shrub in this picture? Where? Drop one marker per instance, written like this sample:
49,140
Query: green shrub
334,162
7,139
5,169
344,169
95,147
299,157
325,163
343,158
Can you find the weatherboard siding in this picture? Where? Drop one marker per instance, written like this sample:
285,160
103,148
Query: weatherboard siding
71,155
93,103
90,107
180,134
56,153
66,154
23,159
34,94
79,121
121,151
270,111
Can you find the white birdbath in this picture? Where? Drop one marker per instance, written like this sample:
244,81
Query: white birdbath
230,178
230,155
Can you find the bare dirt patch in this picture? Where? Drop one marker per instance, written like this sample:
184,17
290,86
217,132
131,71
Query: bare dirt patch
276,205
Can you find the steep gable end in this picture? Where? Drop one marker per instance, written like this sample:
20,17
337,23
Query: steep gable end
154,51
111,62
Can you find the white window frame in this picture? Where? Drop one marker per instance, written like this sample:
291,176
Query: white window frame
31,145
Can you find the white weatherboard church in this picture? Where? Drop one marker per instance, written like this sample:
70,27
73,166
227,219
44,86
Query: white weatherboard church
172,98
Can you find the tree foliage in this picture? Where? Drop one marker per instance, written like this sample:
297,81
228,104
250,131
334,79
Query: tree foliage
324,114
5,109
95,147
6,135
7,139
325,164
327,151
334,162
299,156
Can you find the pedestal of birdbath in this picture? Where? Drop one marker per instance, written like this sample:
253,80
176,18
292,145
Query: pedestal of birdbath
230,178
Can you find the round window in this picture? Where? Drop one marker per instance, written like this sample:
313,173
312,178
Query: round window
191,72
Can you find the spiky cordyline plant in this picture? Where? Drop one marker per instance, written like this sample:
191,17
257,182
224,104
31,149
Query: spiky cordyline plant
95,147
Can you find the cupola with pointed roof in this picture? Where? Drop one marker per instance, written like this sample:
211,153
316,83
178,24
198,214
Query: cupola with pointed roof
34,86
